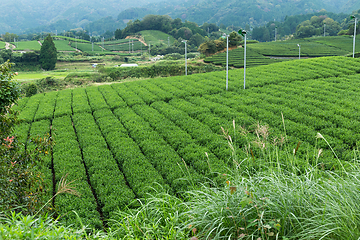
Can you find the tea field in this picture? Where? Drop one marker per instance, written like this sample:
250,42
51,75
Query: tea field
117,140
264,53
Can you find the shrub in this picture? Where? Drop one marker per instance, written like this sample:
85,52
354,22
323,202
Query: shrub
31,89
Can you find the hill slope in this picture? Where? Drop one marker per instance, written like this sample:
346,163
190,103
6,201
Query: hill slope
17,16
120,138
239,13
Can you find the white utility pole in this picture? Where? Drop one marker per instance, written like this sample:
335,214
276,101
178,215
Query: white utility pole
353,17
299,50
184,41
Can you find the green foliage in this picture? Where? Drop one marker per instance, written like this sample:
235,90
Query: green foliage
290,23
156,70
22,185
124,137
9,89
315,27
19,226
30,89
48,54
236,58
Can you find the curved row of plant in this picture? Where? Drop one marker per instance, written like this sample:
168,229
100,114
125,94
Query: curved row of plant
134,127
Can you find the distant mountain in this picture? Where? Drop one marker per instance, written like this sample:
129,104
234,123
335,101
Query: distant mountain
99,16
239,12
18,15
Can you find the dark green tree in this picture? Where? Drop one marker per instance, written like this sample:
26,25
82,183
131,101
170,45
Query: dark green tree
48,54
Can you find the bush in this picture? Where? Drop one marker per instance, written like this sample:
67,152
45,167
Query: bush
9,90
31,89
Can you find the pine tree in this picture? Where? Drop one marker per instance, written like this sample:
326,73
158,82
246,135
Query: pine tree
48,54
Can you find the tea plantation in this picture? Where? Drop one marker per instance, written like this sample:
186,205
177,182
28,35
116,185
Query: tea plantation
117,140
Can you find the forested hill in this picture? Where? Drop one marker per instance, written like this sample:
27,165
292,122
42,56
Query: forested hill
239,12
17,16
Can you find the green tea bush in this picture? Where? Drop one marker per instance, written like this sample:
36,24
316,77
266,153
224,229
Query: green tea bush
30,89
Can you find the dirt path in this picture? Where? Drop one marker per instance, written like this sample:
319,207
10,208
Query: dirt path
140,39
9,46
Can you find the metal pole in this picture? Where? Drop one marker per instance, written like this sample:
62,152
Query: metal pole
185,59
245,63
149,50
132,45
354,38
324,29
299,50
227,61
129,46
184,41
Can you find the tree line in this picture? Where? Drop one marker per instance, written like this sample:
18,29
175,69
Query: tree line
306,25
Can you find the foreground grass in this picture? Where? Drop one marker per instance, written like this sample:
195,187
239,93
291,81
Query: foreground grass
17,226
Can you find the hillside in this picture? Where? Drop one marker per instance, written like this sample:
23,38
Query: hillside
123,137
238,13
17,16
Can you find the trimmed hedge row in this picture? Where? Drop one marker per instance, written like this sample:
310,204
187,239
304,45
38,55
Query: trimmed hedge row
154,89
105,176
67,161
80,103
147,96
29,111
200,132
139,172
63,103
20,104
96,99
111,97
41,129
163,157
46,107
129,96
193,154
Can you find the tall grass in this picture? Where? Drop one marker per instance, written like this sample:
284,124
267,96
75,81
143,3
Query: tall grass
271,194
17,226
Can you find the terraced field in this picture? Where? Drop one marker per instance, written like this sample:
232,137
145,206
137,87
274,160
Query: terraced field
117,140
263,53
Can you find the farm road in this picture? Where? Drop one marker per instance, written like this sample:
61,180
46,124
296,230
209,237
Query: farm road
9,46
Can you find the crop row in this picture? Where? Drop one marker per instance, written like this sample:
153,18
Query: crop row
344,43
80,103
46,106
139,172
163,157
308,48
236,58
99,163
111,97
271,114
193,154
95,98
20,104
136,46
198,131
67,161
41,129
63,103
28,112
